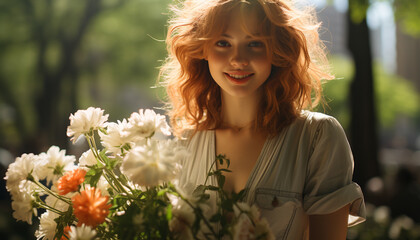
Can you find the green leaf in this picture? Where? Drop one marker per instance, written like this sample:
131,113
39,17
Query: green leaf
212,188
169,212
62,221
221,180
123,178
92,176
239,196
216,217
162,192
205,196
199,190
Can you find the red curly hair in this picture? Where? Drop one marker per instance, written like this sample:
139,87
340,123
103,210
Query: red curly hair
292,42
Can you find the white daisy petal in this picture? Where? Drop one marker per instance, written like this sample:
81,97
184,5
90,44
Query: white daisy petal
153,163
182,220
47,226
55,163
87,159
117,137
20,170
81,233
84,121
22,203
146,123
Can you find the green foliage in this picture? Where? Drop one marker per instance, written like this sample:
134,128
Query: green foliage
394,95
407,12
123,50
336,91
358,10
93,175
105,60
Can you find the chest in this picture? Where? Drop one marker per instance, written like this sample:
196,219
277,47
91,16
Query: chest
243,151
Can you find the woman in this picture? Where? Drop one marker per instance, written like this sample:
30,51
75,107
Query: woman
239,77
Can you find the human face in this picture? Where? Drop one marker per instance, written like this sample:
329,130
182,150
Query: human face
237,61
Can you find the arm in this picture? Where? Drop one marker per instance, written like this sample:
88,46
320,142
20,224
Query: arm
331,226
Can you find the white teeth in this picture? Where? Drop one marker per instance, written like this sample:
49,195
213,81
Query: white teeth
239,76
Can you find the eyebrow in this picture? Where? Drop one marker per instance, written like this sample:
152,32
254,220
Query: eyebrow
228,36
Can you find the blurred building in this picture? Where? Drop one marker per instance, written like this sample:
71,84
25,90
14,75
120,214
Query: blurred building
408,57
333,30
334,35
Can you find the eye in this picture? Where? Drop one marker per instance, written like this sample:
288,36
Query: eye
222,43
256,44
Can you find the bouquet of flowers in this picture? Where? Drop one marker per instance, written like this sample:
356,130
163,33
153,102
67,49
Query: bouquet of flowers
125,188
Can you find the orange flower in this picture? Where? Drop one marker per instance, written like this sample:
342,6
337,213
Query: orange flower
70,181
66,233
90,207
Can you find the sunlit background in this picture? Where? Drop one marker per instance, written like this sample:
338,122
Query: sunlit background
58,56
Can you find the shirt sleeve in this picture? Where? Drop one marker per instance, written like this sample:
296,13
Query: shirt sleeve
328,184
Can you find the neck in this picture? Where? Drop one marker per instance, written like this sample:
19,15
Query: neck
239,113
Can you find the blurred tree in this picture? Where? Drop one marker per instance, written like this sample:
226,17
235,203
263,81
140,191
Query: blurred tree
53,52
51,31
395,95
57,56
363,135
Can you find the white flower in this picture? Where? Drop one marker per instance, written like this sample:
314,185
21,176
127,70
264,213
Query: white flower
81,233
117,137
243,229
187,192
102,185
55,163
244,208
19,171
22,203
182,220
134,186
381,215
47,226
262,228
58,204
249,225
402,222
146,123
85,121
153,163
87,159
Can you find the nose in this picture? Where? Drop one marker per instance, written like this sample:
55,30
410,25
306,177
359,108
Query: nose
239,57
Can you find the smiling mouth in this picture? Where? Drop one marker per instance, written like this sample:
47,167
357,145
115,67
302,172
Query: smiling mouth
239,77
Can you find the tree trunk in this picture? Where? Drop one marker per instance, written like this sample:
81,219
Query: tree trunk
363,134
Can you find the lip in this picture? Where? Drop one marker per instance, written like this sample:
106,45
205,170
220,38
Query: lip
241,80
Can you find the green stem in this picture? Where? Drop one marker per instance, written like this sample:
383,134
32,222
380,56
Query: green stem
109,181
116,181
45,206
200,214
91,141
92,146
64,199
208,173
